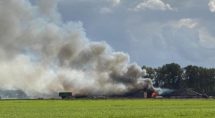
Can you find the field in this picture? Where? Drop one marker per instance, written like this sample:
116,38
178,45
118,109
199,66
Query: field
125,108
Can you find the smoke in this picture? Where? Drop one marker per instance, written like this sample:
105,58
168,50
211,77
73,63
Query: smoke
41,55
164,91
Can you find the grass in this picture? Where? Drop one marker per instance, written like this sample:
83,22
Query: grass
125,108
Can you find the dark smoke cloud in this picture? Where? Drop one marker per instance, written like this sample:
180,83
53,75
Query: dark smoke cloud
41,55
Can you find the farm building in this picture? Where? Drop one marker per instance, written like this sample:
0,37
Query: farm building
184,93
65,95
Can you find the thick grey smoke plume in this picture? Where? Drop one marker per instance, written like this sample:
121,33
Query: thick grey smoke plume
41,55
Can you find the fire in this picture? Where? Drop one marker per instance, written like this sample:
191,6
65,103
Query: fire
154,94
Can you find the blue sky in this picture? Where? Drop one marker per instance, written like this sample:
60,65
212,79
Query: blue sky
152,32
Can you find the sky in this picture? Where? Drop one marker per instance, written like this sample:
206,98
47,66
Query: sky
152,32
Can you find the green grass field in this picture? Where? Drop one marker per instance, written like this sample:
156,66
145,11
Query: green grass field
125,108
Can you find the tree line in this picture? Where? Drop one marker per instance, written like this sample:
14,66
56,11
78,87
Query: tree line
173,76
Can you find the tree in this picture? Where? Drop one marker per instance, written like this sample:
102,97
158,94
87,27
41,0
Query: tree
150,72
174,77
192,76
200,79
169,76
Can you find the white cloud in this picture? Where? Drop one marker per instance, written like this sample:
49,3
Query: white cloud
115,2
163,38
109,9
185,22
205,38
211,5
153,5
185,41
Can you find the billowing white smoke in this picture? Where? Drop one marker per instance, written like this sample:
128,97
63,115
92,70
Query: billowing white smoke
41,55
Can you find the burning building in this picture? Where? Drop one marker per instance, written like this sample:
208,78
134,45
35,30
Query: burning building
143,89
